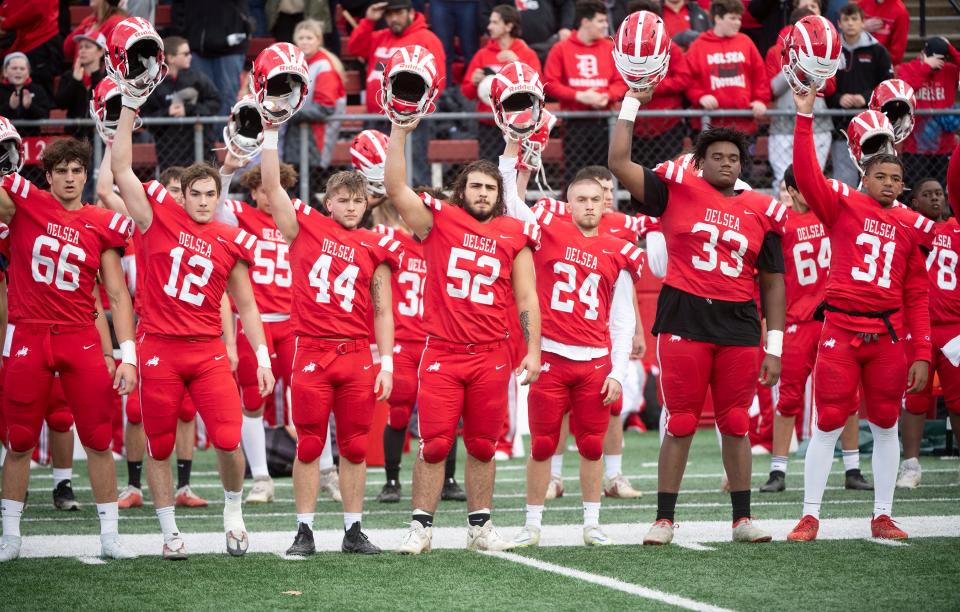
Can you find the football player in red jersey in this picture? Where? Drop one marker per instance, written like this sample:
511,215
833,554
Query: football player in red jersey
189,260
58,246
876,268
340,272
476,258
707,324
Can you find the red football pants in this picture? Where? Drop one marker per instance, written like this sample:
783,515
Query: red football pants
281,343
799,357
406,381
186,413
949,374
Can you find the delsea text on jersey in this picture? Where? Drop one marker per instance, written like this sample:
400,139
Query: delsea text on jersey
579,257
67,234
809,232
195,244
332,247
721,218
478,243
884,230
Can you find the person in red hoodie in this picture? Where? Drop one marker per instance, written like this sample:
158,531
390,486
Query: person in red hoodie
105,16
889,22
34,25
580,74
727,70
505,46
934,78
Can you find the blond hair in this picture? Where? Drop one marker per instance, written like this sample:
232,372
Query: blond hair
315,27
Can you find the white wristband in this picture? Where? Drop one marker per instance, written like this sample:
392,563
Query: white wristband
128,352
271,139
774,342
134,102
629,108
386,363
263,356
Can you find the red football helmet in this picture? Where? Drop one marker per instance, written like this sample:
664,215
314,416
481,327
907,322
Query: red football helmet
278,82
517,99
869,133
368,152
134,57
11,148
810,54
895,99
105,105
641,50
409,85
243,134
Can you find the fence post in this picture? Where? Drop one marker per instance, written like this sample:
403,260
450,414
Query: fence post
304,168
198,142
97,157
611,125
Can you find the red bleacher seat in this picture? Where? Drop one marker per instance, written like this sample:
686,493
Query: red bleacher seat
163,16
453,151
56,113
341,154
356,125
77,14
257,45
354,82
144,156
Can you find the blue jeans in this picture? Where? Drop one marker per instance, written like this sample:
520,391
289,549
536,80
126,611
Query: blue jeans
449,18
224,71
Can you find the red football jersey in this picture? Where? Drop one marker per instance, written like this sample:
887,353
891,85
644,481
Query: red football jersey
55,254
469,265
713,241
942,270
576,275
612,223
408,283
184,267
270,274
806,259
334,267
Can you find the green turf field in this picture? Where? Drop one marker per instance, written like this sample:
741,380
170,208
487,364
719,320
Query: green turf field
850,572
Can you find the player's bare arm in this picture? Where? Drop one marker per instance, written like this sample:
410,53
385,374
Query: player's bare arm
281,207
405,200
121,162
103,330
115,284
916,300
7,207
774,298
516,206
619,160
382,299
242,293
525,294
105,193
229,332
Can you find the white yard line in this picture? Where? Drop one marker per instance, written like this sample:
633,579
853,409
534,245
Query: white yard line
887,542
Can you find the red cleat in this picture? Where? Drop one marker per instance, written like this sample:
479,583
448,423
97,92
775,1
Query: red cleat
186,498
634,423
805,531
884,527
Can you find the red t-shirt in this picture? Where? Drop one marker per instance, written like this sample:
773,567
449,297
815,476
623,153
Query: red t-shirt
270,273
942,270
806,258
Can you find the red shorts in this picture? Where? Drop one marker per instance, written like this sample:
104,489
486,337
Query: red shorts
406,380
800,344
327,379
564,383
689,367
843,363
949,375
171,368
37,352
455,384
281,343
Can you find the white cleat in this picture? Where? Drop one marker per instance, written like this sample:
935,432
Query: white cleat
555,488
111,548
594,536
529,536
175,549
237,542
330,483
660,533
620,487
910,473
486,538
261,492
417,540
10,548
745,530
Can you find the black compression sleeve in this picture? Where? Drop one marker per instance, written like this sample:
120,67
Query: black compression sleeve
771,254
655,194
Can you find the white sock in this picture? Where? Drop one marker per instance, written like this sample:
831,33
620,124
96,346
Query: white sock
233,511
61,474
168,523
556,466
591,514
326,455
349,518
612,465
306,518
534,516
816,469
109,518
12,510
851,460
778,464
255,446
232,498
886,458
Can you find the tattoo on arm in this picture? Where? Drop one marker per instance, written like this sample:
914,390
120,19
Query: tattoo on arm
525,325
375,289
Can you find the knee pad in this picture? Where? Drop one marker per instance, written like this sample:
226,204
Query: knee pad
918,404
436,450
830,418
161,447
480,449
133,409
98,437
225,437
590,446
736,422
309,447
61,420
788,408
681,425
187,411
250,397
21,438
399,417
617,407
353,449
885,420
542,448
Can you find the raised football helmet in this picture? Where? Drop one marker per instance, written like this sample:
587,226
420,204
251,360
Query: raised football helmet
11,148
243,134
368,152
105,105
895,99
517,99
134,57
409,85
278,82
869,133
810,54
641,50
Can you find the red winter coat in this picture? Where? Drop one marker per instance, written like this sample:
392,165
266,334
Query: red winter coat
35,22
376,47
487,58
933,90
573,66
896,25
89,27
669,94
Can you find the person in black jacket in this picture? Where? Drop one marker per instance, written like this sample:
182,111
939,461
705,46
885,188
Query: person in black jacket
77,84
20,98
544,22
773,15
184,93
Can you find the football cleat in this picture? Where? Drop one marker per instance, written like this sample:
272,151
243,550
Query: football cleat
810,54
357,542
776,484
261,492
330,483
633,423
659,533
417,540
856,482
130,497
452,492
390,493
745,530
620,487
486,538
10,548
186,498
303,543
555,488
63,498
910,473
528,536
805,531
885,528
237,542
594,536
175,549
111,548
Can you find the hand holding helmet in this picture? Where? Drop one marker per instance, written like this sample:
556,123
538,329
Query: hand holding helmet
517,99
895,99
409,86
135,60
278,82
243,134
810,54
641,51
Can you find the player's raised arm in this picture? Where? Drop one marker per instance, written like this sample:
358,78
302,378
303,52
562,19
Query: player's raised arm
111,272
229,168
619,158
281,207
383,330
822,199
105,193
516,207
7,207
242,294
528,305
121,162
405,200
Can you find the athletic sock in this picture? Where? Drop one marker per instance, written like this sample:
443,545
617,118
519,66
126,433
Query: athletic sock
12,510
61,474
740,501
534,516
423,517
778,464
666,505
109,518
816,468
612,465
450,467
326,455
478,518
392,451
591,514
886,458
168,523
851,460
134,473
349,518
232,510
255,446
556,466
184,466
305,518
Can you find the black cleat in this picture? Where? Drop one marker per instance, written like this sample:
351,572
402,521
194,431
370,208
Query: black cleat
355,541
856,481
63,498
390,493
452,491
303,544
776,484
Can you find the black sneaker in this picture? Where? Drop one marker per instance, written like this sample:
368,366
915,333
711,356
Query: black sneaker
856,481
390,493
355,541
776,484
452,491
303,544
63,498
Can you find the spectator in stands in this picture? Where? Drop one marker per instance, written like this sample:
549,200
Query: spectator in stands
143,8
769,17
184,93
77,84
580,73
934,78
460,19
505,46
20,97
283,16
865,65
105,16
31,28
727,71
218,32
544,22
889,22
326,97
684,21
